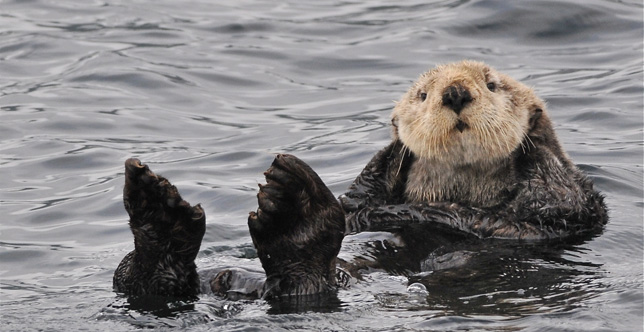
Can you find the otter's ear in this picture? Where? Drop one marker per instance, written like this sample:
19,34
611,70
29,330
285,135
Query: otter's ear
536,115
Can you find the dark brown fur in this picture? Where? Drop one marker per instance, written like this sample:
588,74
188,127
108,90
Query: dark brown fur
298,230
167,236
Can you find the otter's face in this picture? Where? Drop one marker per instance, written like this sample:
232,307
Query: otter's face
464,113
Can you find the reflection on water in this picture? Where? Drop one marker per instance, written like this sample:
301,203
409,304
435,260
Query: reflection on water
481,278
207,92
514,282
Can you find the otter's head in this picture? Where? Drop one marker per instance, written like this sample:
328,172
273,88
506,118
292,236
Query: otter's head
464,113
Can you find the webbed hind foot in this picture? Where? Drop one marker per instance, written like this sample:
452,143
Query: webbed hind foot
167,235
297,229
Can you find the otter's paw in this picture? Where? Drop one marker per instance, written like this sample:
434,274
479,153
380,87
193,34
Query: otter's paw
167,235
159,218
297,229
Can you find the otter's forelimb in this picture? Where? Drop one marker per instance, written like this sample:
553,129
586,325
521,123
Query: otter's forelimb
382,180
453,218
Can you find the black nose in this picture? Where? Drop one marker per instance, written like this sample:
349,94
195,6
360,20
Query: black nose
456,97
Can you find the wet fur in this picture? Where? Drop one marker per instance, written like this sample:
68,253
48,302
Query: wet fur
167,236
297,229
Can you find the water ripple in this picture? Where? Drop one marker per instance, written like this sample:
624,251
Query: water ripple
207,93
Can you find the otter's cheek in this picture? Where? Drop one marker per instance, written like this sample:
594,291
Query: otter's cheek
405,135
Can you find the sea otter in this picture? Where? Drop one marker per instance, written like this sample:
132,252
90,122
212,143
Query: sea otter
474,150
473,153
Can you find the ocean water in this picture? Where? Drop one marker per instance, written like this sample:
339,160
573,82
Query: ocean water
207,92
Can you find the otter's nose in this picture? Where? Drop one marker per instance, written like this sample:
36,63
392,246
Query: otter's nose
456,97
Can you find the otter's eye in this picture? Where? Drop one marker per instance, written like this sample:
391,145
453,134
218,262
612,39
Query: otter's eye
491,86
422,96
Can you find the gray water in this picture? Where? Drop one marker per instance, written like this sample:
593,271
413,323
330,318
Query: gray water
206,92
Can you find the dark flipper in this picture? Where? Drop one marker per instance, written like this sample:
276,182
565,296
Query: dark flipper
298,230
167,236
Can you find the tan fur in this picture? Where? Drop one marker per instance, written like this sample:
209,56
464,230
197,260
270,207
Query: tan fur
469,165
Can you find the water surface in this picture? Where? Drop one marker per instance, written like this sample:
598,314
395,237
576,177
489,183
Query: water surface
207,92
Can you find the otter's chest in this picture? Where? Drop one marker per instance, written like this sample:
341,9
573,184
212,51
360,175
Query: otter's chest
479,185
